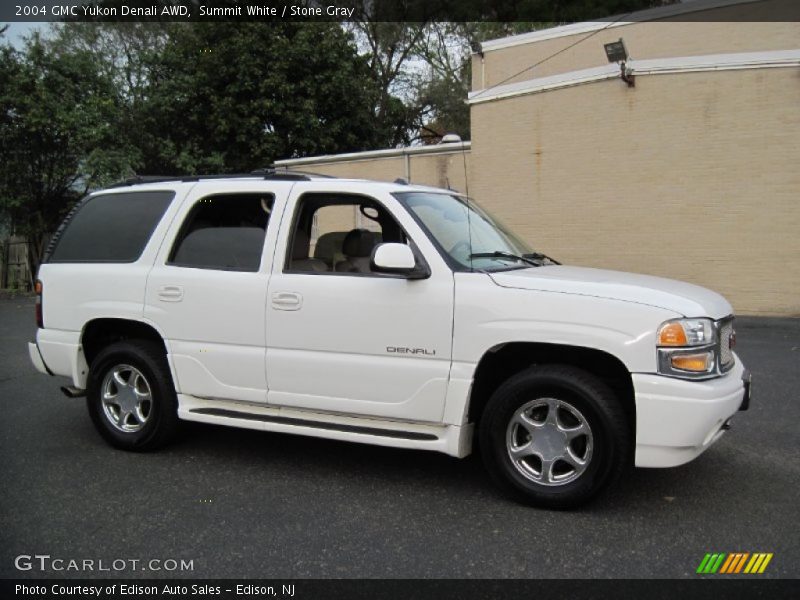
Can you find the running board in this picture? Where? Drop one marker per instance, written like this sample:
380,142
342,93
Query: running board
392,433
453,440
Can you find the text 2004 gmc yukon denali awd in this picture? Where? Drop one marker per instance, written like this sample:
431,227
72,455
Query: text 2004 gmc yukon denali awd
382,313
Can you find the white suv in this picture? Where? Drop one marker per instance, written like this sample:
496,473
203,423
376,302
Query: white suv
382,313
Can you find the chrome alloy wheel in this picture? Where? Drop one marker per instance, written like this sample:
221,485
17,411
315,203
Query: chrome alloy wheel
549,441
127,399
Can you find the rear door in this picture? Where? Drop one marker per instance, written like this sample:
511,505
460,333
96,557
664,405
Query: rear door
207,290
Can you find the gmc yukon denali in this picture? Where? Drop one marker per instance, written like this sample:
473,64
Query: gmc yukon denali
382,313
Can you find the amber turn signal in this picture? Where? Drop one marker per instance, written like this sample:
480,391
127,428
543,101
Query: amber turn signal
672,334
699,363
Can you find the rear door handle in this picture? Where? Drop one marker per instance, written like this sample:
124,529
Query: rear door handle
170,293
287,301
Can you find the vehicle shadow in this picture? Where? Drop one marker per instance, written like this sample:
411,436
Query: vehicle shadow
420,472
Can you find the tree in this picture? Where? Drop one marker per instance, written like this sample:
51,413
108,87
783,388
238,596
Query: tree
220,97
224,98
57,137
390,49
125,52
445,51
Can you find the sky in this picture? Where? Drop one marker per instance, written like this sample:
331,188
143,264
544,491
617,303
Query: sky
17,31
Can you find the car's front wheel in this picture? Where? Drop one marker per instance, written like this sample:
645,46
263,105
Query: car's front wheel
130,396
554,436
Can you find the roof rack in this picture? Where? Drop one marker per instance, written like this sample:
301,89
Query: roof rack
284,170
269,173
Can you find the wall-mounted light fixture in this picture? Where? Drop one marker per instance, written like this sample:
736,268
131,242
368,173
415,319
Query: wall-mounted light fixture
616,52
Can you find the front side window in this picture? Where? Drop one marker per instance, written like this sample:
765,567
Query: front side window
468,237
110,228
336,233
224,232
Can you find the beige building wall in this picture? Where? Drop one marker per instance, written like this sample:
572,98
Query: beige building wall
738,28
693,176
382,169
439,166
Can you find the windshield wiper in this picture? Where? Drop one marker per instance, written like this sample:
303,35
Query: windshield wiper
540,256
530,259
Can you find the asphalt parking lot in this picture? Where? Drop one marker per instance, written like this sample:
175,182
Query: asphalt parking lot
250,504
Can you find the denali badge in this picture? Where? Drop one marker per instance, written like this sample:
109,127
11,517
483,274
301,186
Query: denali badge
399,350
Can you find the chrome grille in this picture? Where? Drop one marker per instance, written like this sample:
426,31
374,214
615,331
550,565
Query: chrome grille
726,359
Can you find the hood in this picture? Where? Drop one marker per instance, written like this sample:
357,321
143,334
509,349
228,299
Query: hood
684,298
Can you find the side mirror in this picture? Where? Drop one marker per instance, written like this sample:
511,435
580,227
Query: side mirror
397,259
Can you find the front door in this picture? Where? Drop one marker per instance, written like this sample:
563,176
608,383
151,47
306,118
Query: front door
342,338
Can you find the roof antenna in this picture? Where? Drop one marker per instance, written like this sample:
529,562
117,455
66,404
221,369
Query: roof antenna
454,138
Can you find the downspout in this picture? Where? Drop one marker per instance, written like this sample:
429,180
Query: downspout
477,48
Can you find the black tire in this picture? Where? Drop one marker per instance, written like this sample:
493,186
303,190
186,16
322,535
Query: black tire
607,452
161,423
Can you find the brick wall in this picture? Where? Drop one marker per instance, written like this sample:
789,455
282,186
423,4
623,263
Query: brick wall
692,176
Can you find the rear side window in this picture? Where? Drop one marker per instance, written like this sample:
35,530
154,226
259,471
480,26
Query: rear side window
224,232
111,227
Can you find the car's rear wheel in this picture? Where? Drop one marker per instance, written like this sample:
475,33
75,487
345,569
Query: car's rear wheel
554,436
130,396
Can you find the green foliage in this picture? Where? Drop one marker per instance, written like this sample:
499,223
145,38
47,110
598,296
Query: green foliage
226,98
58,136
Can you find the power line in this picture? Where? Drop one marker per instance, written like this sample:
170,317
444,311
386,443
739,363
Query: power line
544,60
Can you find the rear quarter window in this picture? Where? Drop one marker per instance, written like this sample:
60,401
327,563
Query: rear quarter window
110,227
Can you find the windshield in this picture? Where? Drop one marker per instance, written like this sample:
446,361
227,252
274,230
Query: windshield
463,230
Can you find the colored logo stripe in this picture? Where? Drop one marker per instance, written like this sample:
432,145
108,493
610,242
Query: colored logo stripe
710,563
758,563
734,562
740,564
704,563
727,564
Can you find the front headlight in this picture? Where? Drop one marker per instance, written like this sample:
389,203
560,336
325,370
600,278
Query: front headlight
687,348
687,332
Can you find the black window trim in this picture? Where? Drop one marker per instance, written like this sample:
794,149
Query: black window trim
179,237
418,256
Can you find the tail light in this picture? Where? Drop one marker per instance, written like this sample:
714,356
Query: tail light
39,317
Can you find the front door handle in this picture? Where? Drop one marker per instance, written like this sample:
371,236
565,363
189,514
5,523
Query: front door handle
170,293
287,301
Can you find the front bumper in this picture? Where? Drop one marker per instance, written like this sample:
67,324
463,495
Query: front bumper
676,420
